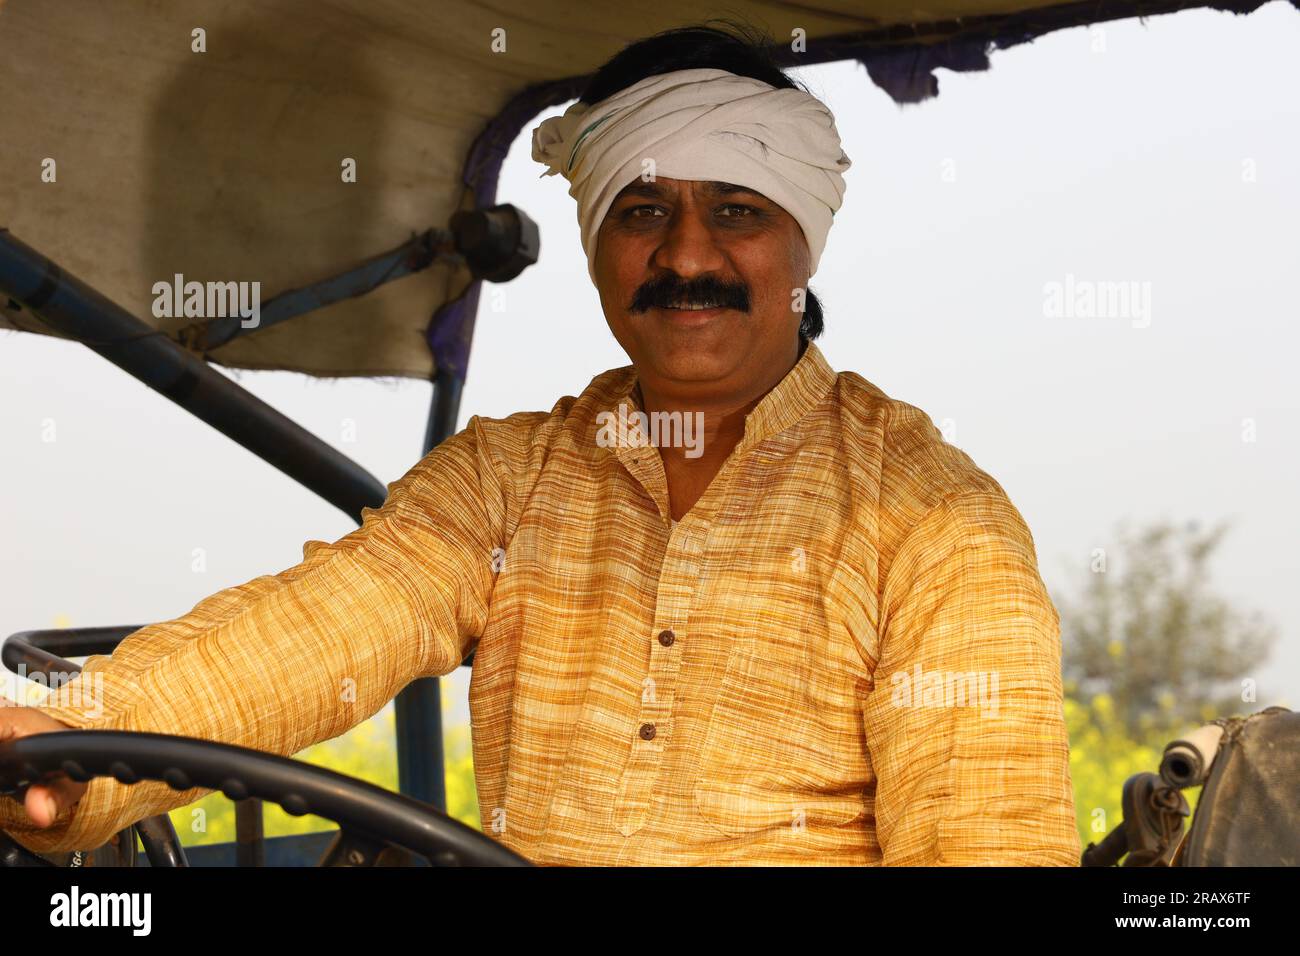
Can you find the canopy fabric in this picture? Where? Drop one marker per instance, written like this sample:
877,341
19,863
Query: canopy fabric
226,165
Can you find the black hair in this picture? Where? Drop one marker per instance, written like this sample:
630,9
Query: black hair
739,49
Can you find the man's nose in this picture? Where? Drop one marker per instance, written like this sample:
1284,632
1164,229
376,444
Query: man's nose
689,247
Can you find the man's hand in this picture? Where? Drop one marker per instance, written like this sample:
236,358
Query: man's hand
44,802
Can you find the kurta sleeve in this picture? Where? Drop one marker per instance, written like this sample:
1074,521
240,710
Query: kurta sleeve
965,724
288,660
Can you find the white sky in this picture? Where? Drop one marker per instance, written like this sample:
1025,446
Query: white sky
1122,164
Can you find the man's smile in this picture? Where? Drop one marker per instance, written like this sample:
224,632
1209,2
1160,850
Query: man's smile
690,316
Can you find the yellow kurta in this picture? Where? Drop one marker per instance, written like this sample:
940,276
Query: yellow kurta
843,653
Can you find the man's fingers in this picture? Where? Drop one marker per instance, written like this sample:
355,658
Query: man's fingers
43,802
41,805
7,706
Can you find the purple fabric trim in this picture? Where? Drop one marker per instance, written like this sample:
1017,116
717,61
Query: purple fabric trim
451,330
906,73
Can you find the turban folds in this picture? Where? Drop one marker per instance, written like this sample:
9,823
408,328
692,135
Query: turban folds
700,124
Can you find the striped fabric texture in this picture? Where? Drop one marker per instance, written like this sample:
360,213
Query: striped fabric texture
842,654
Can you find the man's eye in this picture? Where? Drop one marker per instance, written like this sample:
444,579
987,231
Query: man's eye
739,211
634,210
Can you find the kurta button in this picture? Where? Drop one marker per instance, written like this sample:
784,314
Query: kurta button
666,638
647,731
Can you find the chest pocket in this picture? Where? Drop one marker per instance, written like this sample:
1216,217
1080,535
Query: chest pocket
784,745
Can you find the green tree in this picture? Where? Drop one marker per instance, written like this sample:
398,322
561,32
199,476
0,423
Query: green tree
1151,635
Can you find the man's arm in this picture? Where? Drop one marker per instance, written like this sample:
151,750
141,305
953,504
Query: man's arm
964,724
292,659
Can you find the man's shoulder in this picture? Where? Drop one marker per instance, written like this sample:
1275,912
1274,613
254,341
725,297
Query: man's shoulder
570,417
919,463
923,476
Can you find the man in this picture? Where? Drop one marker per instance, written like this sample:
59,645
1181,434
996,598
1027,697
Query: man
729,606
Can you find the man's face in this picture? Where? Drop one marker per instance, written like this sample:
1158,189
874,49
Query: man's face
684,243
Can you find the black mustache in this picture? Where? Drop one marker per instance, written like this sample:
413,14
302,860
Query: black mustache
668,290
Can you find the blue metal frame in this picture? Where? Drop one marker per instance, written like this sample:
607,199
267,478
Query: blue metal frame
412,256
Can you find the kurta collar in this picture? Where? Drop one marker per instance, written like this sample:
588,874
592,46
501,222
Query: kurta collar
788,401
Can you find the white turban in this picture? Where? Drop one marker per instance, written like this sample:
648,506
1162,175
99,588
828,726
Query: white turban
707,125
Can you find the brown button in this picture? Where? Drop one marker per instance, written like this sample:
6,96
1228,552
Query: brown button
666,638
647,731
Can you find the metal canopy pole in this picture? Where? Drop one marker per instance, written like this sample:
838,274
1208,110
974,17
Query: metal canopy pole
72,307
412,256
500,242
420,753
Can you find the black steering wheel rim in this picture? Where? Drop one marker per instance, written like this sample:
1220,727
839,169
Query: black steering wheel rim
358,807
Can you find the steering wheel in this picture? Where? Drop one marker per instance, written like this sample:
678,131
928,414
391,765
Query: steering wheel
372,820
